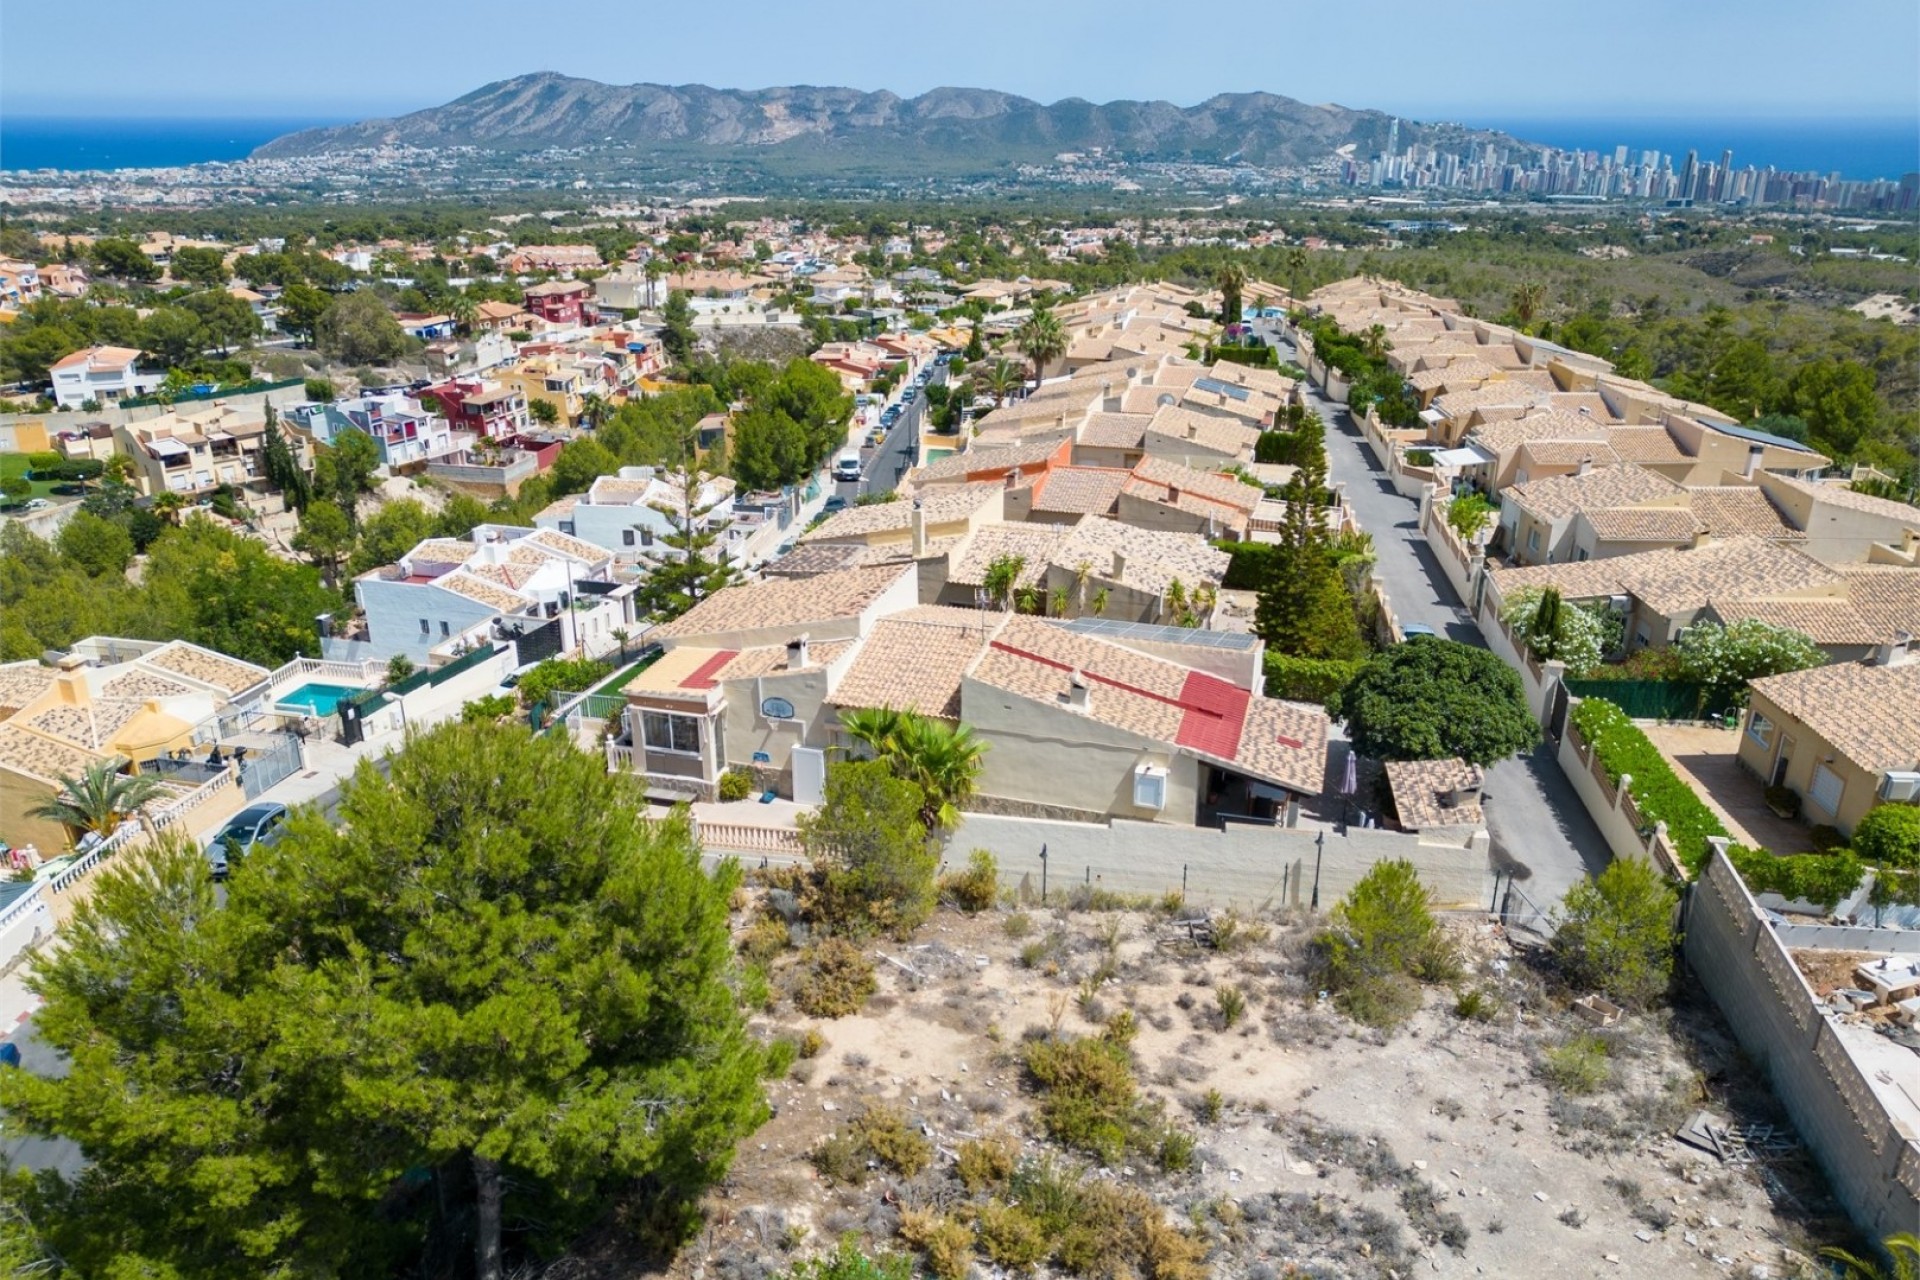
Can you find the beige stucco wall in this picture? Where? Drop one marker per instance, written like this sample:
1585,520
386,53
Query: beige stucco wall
746,731
19,793
1836,534
1053,756
1806,749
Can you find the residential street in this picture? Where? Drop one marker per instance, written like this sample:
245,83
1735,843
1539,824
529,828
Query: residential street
1541,831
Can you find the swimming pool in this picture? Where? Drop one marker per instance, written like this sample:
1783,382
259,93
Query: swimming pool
317,699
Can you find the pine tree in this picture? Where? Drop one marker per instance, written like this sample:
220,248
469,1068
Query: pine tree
495,993
683,574
1304,610
282,468
1544,636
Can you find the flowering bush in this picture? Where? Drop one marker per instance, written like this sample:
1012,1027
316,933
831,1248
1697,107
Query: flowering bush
1581,636
1725,658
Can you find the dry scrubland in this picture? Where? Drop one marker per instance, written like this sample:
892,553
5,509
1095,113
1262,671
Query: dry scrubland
1498,1136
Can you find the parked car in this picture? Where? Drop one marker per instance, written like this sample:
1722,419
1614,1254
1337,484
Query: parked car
1412,629
253,826
833,504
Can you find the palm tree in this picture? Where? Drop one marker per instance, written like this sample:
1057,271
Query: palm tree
1057,602
943,760
1098,605
464,311
1041,340
1903,1248
1232,280
1002,576
99,800
594,409
1002,379
1374,341
653,270
1527,298
167,506
1296,269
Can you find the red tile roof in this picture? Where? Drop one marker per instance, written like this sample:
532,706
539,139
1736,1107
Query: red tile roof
702,676
1215,713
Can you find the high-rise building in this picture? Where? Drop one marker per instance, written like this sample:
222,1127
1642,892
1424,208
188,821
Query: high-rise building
1393,137
1689,175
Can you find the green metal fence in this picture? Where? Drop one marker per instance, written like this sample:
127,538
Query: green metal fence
1648,699
217,393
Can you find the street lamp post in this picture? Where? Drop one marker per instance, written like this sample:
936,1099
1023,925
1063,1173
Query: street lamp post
1043,875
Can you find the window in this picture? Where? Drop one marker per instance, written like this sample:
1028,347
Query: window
646,537
426,628
444,632
1581,554
626,537
1760,729
662,731
1533,539
566,527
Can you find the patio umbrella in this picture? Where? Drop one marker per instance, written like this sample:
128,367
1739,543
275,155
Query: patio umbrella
1350,780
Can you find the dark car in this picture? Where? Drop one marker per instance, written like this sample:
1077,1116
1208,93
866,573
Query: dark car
257,824
832,505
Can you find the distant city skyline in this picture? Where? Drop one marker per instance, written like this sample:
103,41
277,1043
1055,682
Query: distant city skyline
353,59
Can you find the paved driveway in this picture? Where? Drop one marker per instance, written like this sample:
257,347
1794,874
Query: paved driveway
1541,831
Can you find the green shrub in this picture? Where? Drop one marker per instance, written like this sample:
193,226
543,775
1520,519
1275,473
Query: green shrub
1476,1005
736,784
1247,564
766,938
1825,837
1017,926
812,1043
1820,878
975,889
1090,1100
1232,1003
561,675
1010,1236
1100,1228
1419,457
947,1244
1615,933
1622,748
1577,1065
494,706
1309,679
849,1262
1889,836
1468,514
780,1056
986,1164
835,980
879,1135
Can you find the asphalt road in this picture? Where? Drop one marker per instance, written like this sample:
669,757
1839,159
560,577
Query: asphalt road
882,468
1541,832
39,1154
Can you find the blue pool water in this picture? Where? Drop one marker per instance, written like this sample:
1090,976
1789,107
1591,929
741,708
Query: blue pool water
319,699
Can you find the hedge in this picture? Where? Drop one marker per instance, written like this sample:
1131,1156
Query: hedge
1247,564
1622,748
1820,878
1309,679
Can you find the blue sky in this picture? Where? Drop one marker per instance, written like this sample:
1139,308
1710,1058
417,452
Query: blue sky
1481,59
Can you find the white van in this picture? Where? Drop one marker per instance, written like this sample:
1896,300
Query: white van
847,467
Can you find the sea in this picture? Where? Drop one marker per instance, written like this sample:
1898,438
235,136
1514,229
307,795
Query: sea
1860,149
149,142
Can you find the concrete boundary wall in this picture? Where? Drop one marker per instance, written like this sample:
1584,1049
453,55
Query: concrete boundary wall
1871,1156
1244,866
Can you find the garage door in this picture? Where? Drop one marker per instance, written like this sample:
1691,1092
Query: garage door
1827,786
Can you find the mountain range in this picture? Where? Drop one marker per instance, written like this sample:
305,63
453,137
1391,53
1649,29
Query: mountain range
978,127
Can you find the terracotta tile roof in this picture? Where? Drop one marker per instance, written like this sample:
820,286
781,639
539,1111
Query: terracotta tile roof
1673,582
1079,490
768,659
1563,453
1284,743
36,755
1493,395
1644,444
1645,524
1461,372
785,602
1115,430
1036,544
490,594
1153,558
1869,714
810,559
513,576
206,666
1887,596
141,685
959,465
942,504
1498,437
22,682
1184,428
1741,510
561,543
1823,619
1162,474
1622,486
914,661
1421,789
90,725
1840,495
442,551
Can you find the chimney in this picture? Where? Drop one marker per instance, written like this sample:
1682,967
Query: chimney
1754,453
1586,465
1119,566
1013,478
1173,494
918,522
796,653
1078,692
1892,652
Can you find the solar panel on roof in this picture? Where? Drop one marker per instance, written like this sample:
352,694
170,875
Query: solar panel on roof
1220,388
1759,437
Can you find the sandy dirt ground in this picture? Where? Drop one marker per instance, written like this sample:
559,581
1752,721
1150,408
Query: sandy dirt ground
1324,1148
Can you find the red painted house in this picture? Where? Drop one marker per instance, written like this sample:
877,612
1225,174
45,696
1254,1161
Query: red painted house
558,302
487,409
